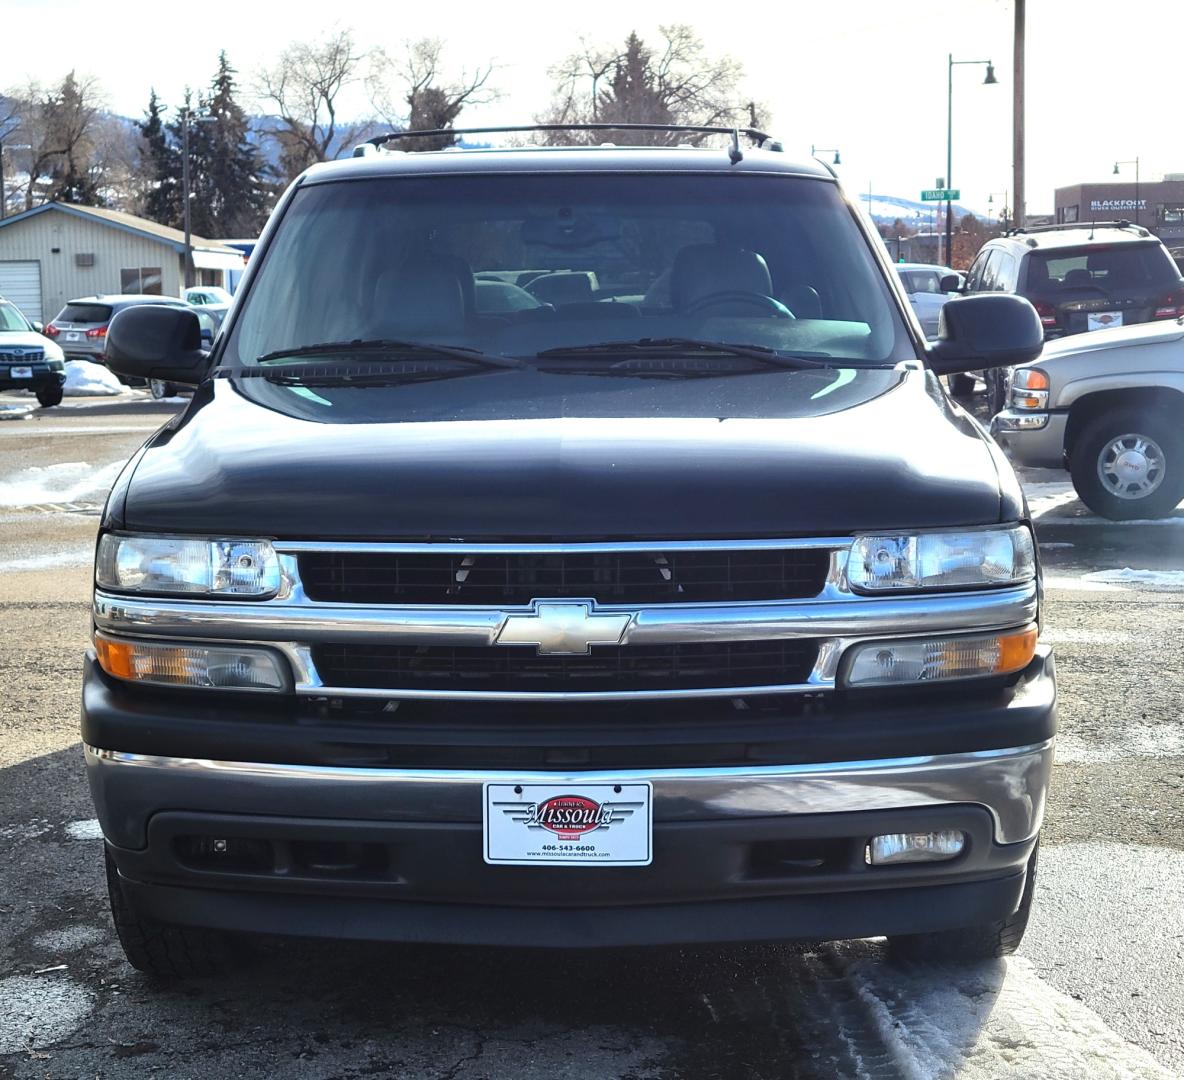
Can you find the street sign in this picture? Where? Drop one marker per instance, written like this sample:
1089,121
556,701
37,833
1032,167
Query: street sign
940,194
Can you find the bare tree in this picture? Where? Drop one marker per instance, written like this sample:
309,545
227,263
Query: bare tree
412,94
304,88
60,125
676,83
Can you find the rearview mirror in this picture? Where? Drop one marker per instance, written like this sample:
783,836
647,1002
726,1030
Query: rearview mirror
989,330
152,341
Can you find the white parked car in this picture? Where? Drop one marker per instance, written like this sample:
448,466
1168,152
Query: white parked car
1109,407
922,282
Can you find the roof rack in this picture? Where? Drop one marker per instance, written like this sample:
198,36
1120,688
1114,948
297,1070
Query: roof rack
759,138
1091,225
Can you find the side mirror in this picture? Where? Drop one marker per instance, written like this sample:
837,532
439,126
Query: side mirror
157,342
989,330
39,327
951,283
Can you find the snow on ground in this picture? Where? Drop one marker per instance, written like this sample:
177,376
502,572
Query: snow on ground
80,556
1156,580
993,1021
86,379
66,481
1134,741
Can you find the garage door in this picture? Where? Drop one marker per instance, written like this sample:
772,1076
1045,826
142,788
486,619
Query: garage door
20,282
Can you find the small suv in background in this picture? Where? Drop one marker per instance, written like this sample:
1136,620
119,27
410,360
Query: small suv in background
27,360
81,326
1080,278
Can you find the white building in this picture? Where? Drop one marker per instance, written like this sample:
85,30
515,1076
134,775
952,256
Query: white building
56,252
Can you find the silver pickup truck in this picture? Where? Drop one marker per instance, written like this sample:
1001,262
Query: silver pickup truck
1109,407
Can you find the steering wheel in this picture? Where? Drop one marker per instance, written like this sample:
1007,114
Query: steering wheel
774,308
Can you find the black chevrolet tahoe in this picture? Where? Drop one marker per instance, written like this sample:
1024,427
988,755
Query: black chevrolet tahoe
568,546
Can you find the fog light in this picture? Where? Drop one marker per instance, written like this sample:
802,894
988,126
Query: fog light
218,667
915,847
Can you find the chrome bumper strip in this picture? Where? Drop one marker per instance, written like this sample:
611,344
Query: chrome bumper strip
822,617
1011,783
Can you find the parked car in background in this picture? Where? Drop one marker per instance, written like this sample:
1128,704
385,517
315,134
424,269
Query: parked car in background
1080,278
929,287
1109,408
924,284
80,328
28,361
212,299
207,296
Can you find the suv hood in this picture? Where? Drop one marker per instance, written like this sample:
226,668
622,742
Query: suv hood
897,457
1121,337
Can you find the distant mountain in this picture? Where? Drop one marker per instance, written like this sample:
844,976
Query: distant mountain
885,209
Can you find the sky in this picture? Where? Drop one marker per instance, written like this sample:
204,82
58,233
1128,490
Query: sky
867,77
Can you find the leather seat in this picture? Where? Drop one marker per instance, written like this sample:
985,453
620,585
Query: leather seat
702,270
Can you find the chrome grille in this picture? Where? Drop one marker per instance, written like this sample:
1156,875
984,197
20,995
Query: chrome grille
22,355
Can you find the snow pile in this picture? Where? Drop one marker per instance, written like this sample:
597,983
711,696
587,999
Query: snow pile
66,481
1149,579
84,379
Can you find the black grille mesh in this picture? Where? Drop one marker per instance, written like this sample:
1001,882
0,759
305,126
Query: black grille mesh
647,577
700,665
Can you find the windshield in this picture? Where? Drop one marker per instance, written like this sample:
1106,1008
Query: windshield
11,319
515,266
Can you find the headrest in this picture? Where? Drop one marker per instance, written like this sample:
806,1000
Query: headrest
425,293
565,287
705,269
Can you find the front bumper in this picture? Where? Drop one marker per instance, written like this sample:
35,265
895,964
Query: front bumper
1037,447
43,375
740,853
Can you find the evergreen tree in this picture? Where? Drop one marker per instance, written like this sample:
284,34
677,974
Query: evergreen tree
230,194
161,161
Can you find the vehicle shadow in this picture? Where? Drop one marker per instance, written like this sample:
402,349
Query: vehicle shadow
354,1009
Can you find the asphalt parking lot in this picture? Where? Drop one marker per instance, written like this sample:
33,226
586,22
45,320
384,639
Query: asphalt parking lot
1095,991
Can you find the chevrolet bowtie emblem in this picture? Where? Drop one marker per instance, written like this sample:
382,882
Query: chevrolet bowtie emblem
563,628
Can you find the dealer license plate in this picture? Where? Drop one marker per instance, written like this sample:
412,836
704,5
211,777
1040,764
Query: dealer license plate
1103,320
21,372
568,824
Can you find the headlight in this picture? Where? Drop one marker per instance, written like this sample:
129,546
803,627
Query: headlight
942,560
173,565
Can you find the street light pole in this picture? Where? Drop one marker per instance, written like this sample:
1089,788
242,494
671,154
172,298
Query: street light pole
990,80
816,150
1135,162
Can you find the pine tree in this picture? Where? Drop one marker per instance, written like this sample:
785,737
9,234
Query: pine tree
230,194
161,160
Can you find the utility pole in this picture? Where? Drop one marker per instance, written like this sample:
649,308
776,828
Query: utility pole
185,196
1017,123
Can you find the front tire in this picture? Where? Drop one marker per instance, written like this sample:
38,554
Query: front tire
162,949
962,385
161,390
1129,464
971,944
48,396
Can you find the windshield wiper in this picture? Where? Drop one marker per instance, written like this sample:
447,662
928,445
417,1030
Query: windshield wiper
653,348
395,373
421,349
